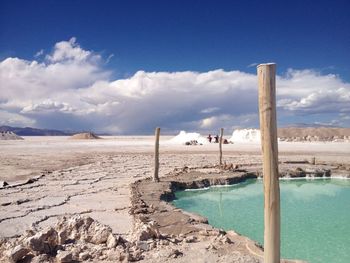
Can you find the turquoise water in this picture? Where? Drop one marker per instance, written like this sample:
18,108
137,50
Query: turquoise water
315,215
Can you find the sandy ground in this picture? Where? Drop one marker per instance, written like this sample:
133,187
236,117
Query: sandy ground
92,177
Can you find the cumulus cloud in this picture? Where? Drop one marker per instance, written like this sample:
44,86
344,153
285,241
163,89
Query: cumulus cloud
48,106
70,89
323,98
30,87
328,101
70,51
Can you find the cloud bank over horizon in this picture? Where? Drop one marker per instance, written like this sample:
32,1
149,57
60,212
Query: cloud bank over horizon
70,88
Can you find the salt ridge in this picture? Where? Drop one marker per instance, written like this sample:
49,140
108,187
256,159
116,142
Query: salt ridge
246,135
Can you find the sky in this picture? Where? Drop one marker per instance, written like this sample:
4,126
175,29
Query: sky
126,67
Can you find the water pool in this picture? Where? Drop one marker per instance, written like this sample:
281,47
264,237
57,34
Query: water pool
315,215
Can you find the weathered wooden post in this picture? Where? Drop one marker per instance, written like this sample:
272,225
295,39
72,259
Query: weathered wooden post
268,128
220,144
313,160
156,156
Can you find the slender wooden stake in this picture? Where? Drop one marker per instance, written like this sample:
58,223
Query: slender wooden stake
220,144
313,160
156,156
268,128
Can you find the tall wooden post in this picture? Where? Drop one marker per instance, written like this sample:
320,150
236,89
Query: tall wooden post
268,128
156,156
220,144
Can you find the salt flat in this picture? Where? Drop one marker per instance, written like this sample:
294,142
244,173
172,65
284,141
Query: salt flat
92,177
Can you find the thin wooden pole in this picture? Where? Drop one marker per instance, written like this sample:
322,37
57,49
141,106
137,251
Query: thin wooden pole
268,128
156,156
220,144
313,160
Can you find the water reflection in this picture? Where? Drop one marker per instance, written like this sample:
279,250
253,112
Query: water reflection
301,189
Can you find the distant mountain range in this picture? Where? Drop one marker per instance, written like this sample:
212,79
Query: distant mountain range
299,129
28,131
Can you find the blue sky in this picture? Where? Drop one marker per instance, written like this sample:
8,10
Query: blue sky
307,39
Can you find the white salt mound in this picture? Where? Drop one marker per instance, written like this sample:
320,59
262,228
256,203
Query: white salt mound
8,135
85,136
184,137
246,135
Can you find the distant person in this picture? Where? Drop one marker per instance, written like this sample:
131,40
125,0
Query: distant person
216,138
209,138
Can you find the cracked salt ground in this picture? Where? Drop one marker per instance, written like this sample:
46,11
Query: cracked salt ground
80,190
99,189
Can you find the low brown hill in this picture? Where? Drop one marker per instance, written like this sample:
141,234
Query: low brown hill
313,134
85,136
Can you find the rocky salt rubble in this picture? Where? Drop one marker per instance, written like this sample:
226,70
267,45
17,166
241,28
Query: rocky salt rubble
73,239
188,138
81,239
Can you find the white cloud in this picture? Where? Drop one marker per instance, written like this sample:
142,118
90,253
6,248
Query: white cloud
14,119
252,65
210,110
48,106
330,101
39,53
70,89
229,122
71,51
109,58
26,82
307,91
208,122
